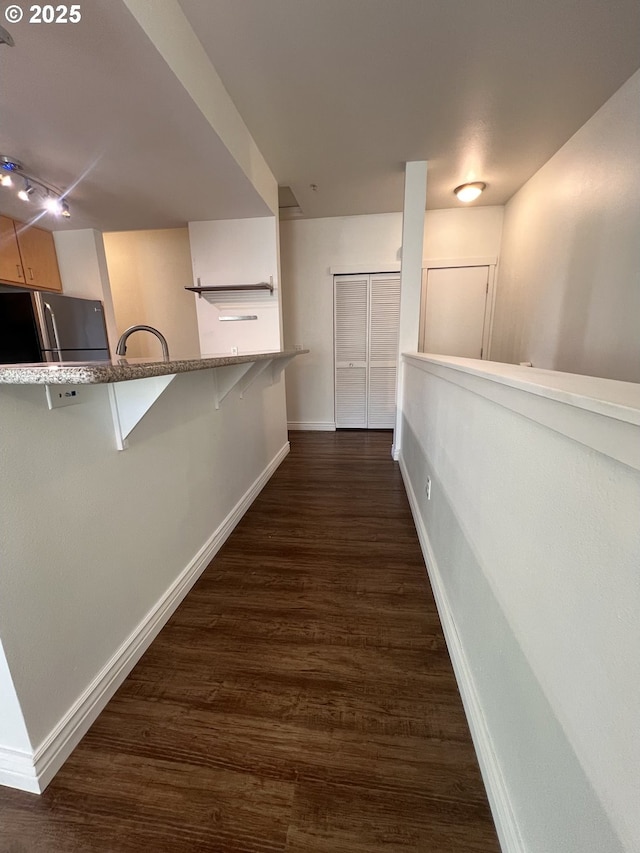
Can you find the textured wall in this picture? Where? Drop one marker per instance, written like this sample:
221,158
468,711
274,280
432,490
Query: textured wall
148,271
310,247
93,538
568,294
537,546
237,251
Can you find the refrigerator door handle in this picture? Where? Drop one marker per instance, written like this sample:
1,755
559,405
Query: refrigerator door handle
56,339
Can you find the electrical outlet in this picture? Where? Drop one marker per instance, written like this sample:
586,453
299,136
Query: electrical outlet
427,488
234,350
62,395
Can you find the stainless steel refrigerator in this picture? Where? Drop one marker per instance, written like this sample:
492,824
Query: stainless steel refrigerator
51,327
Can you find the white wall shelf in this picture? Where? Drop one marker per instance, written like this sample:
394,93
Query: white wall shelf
212,292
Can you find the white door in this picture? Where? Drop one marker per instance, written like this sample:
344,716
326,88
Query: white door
351,323
454,307
366,319
384,325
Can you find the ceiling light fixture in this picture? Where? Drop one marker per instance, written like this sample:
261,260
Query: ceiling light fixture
470,192
52,199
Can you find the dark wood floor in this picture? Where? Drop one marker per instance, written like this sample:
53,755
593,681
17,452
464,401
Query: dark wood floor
301,699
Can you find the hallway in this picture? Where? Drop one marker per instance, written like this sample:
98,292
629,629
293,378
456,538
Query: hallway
300,699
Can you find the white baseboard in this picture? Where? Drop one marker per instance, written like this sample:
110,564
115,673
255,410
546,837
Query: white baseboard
312,426
34,772
17,770
497,792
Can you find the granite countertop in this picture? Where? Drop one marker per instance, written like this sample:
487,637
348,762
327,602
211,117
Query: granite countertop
123,369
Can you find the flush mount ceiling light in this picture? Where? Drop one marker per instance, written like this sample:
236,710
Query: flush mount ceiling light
32,188
469,192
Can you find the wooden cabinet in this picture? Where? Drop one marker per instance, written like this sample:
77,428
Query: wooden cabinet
28,256
39,259
10,260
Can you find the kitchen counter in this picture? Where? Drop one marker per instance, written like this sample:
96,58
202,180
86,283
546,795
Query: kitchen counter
124,369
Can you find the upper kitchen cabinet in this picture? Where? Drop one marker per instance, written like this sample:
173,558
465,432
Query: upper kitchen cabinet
39,259
28,256
10,260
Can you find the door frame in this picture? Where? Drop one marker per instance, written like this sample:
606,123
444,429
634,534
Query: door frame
458,263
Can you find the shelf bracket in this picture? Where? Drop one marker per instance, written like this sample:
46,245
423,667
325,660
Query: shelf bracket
130,401
256,369
226,378
278,365
243,376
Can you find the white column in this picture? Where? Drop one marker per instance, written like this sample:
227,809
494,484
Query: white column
83,270
415,198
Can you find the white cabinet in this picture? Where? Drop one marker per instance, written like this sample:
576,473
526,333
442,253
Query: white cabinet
366,320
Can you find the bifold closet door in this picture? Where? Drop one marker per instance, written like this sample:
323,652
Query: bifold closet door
384,323
367,315
351,306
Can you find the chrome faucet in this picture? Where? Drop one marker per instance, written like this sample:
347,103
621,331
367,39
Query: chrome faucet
121,348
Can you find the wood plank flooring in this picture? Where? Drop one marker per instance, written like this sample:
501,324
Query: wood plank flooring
301,699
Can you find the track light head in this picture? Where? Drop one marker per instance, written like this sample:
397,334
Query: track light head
52,204
26,193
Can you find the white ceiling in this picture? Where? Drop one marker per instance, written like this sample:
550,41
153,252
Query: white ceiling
338,93
95,103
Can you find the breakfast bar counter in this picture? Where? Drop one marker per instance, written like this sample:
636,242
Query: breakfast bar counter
125,369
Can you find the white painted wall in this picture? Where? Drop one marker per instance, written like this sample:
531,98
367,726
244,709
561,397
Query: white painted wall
83,270
463,232
533,545
237,251
94,538
148,271
313,249
568,294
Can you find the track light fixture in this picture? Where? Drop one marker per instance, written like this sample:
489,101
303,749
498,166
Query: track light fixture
32,188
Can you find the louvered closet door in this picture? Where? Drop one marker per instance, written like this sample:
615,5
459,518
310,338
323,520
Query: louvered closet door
351,326
384,321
